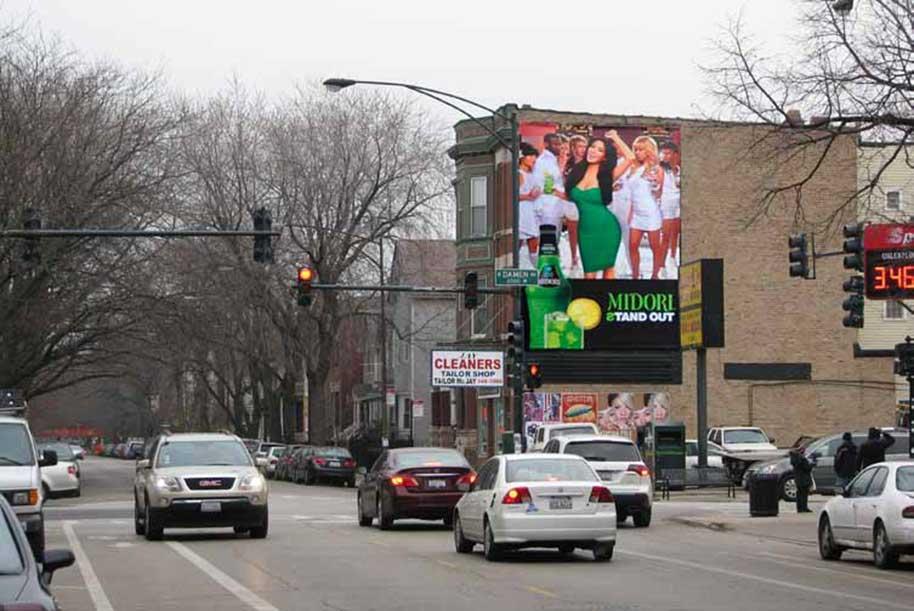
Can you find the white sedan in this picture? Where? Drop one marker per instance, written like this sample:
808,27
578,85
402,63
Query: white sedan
536,500
63,478
875,512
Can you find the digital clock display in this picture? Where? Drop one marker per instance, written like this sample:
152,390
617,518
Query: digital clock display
888,277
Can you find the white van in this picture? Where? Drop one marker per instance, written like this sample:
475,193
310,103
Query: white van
20,477
551,431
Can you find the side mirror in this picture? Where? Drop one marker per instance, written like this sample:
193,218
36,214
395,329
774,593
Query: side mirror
53,560
142,463
48,458
772,440
846,491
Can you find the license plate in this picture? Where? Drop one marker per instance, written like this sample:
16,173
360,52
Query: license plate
210,507
437,483
609,475
334,463
560,502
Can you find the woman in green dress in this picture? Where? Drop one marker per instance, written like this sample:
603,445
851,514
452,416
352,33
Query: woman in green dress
590,187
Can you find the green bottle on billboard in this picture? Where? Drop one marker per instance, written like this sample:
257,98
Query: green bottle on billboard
550,327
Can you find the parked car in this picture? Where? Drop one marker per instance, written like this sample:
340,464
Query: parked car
134,450
20,477
23,585
263,448
297,463
330,463
742,440
273,456
282,472
549,431
199,481
78,451
421,483
120,450
61,479
537,500
714,459
875,512
618,463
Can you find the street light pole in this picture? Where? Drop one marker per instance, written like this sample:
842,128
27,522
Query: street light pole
385,412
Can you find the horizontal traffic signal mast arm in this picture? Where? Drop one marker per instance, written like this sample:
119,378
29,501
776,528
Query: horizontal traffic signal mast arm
131,233
401,288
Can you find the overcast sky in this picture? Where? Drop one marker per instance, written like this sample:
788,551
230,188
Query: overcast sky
615,56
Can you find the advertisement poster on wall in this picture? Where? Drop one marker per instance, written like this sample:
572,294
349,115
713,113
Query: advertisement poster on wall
626,412
579,407
612,196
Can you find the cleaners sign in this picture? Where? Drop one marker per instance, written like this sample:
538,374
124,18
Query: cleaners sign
468,368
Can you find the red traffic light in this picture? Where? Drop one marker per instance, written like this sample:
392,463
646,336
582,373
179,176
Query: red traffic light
305,274
534,370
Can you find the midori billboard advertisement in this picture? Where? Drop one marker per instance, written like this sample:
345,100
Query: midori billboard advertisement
599,221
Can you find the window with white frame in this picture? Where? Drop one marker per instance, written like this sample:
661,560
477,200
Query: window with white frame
893,310
479,206
479,319
893,199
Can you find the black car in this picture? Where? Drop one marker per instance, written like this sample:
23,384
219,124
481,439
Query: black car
334,464
22,583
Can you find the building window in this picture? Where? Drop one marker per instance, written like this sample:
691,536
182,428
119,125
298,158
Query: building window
893,310
479,206
479,318
893,200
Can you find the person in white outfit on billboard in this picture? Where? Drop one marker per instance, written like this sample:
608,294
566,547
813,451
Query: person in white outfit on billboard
528,226
670,207
552,206
646,183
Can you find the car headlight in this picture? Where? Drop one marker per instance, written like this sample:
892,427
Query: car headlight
252,482
26,497
768,469
166,483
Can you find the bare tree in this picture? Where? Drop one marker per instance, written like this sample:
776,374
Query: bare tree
850,73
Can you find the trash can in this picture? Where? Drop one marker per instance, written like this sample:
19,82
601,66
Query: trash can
763,495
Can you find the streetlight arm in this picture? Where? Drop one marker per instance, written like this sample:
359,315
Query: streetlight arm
475,120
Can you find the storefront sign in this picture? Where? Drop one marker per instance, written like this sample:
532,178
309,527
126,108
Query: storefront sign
467,368
701,304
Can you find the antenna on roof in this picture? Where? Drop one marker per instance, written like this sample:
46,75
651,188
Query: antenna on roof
12,403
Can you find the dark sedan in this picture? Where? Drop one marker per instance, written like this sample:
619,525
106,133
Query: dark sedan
333,464
418,483
22,584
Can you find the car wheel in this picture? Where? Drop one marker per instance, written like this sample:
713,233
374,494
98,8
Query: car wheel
884,556
566,549
138,525
642,518
827,548
154,530
384,521
363,519
603,552
789,489
492,550
78,492
260,532
461,544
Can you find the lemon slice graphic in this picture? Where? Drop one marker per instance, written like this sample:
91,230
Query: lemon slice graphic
585,313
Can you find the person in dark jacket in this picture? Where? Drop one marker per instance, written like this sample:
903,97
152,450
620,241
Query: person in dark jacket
802,475
845,461
873,449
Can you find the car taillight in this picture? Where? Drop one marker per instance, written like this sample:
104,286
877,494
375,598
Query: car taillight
467,479
349,463
641,470
405,481
600,494
71,469
320,462
517,496
907,512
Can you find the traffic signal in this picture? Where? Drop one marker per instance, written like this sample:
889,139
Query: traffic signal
471,290
263,244
534,376
798,256
853,304
31,254
305,278
516,341
853,246
904,359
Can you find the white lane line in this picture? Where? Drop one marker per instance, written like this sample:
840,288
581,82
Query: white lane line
99,598
240,592
871,601
792,562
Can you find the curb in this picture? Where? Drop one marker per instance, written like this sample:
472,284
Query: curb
715,525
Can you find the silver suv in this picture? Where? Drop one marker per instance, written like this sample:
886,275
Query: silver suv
199,480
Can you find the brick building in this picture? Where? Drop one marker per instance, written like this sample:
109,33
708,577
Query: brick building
788,365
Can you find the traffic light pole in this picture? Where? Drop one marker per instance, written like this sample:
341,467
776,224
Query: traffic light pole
517,394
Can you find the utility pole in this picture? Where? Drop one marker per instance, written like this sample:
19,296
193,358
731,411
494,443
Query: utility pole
385,414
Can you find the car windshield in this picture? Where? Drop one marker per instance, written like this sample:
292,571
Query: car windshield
335,452
549,470
607,451
745,436
576,430
64,452
15,445
441,458
10,561
203,453
904,479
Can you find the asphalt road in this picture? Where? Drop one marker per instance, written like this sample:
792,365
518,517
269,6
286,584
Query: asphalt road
317,557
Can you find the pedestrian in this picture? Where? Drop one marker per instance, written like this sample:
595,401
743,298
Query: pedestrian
802,475
845,461
873,449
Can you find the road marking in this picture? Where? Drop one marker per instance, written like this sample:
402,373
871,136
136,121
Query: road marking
775,582
240,592
788,561
99,599
541,591
449,565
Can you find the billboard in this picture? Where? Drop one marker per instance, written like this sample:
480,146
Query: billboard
889,261
599,221
478,368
